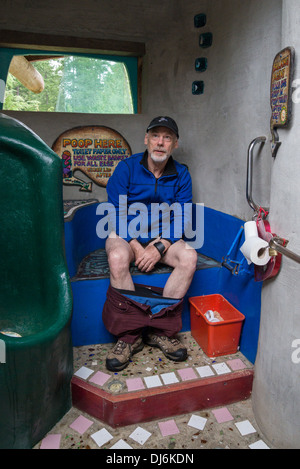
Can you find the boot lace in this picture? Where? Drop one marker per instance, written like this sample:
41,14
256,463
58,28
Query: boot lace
119,347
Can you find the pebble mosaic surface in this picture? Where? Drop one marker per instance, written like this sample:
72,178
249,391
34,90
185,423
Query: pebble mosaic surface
150,368
230,427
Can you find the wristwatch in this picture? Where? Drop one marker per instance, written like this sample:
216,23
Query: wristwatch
160,247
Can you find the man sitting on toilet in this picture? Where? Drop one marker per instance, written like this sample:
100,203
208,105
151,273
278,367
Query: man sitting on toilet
148,178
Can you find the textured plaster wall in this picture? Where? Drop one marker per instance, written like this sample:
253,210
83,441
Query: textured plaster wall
215,128
277,373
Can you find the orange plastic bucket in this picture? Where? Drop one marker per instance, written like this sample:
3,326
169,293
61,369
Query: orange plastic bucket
215,338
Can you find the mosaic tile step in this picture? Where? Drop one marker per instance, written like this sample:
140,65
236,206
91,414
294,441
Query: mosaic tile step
201,380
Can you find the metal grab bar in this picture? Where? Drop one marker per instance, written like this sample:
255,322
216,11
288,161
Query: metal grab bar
277,244
250,200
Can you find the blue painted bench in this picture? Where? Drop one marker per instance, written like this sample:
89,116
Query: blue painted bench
220,269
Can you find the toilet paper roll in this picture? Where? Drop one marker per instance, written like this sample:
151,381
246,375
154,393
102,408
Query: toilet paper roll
256,250
250,229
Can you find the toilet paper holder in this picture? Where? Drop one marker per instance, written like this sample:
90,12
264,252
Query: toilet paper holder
276,245
279,246
272,256
255,248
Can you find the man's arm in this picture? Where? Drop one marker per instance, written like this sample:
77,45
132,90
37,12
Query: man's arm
117,186
183,196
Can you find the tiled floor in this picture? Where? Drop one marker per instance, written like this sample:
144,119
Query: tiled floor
224,428
149,368
230,427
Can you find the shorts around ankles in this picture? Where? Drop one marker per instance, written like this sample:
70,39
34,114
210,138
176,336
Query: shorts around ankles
126,313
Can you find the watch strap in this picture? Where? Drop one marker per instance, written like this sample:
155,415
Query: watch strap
160,247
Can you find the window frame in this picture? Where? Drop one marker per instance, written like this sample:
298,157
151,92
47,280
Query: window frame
28,44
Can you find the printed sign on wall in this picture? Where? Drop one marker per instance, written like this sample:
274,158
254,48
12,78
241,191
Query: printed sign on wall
93,150
282,72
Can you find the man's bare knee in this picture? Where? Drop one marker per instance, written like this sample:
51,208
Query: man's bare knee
189,259
119,256
181,255
118,260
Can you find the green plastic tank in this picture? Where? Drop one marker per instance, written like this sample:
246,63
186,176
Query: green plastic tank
35,294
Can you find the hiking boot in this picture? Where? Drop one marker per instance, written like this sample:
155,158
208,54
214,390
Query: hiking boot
171,347
119,357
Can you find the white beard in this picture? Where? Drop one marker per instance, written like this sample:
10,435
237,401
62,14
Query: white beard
158,159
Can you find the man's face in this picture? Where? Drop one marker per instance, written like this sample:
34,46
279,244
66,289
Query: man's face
160,143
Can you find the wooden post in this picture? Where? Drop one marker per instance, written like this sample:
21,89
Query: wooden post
26,74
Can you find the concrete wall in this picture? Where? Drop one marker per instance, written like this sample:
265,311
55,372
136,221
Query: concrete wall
276,396
215,128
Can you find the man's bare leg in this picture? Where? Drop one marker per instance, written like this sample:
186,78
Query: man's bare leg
178,256
184,261
119,255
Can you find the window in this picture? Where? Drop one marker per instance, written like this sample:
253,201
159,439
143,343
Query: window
77,83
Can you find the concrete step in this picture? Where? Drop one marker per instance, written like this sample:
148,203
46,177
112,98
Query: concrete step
153,387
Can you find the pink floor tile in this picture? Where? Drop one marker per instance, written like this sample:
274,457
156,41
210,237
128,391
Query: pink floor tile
81,424
187,373
236,364
168,428
134,384
100,378
222,415
51,442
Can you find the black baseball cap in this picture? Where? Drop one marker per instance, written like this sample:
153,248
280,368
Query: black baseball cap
164,121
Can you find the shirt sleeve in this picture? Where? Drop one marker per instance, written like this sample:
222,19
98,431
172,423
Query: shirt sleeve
180,220
117,192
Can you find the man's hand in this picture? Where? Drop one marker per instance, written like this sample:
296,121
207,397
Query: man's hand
146,258
137,248
146,262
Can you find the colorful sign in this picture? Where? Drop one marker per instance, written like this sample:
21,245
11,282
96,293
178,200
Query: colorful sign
280,97
93,150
